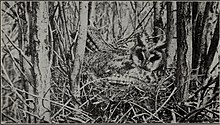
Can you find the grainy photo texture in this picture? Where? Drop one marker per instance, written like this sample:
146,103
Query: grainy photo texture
109,62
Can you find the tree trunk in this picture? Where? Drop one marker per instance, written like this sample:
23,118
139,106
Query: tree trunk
113,6
79,49
213,46
21,10
197,15
159,37
31,9
42,65
66,34
181,72
54,36
188,29
158,22
170,52
201,60
204,43
92,12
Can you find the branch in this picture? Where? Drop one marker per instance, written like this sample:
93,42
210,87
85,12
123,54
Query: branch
18,49
10,8
12,86
5,12
142,8
146,111
203,87
173,92
136,27
57,103
3,114
132,6
16,64
192,113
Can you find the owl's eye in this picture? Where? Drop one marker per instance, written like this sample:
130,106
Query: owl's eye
154,58
140,54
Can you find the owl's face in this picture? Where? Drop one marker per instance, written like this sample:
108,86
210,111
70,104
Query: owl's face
147,58
155,61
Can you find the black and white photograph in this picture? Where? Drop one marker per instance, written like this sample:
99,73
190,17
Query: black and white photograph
110,62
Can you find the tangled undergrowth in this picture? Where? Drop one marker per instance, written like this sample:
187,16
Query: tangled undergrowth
132,97
124,78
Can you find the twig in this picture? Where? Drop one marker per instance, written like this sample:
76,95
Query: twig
145,110
57,103
213,69
12,86
51,48
61,45
5,12
163,103
114,110
142,8
16,64
214,113
10,8
137,26
61,108
76,119
31,114
18,49
99,19
91,99
213,97
138,115
192,113
158,90
147,21
203,87
132,6
124,115
89,83
9,118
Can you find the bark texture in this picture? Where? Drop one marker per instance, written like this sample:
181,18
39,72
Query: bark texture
181,71
79,50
